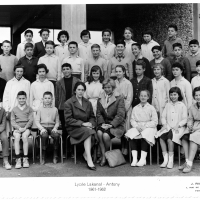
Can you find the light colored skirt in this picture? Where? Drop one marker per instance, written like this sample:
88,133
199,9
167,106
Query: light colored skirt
194,136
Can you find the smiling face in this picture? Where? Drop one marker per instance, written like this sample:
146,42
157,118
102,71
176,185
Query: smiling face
173,97
96,75
198,69
197,96
108,89
120,48
49,49
143,97
135,50
67,71
106,37
21,100
79,91
157,54
19,73
127,35
119,72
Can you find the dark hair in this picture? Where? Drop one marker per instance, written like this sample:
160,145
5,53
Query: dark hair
79,83
42,66
50,42
66,65
196,89
21,93
197,63
120,42
63,32
144,90
94,69
28,31
173,26
147,32
28,45
178,91
194,41
122,67
44,30
129,29
19,66
73,42
159,48
95,46
177,45
6,41
136,44
85,32
106,30
141,62
48,93
178,65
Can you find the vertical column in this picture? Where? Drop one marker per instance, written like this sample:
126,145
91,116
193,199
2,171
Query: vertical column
74,20
196,21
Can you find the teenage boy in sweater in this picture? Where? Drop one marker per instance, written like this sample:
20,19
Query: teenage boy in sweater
7,61
21,121
193,56
52,62
157,54
47,121
29,62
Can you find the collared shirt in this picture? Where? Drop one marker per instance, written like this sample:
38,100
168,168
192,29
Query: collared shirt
139,57
186,90
146,49
120,57
194,54
77,64
6,54
107,50
159,60
84,51
62,51
195,81
53,64
21,107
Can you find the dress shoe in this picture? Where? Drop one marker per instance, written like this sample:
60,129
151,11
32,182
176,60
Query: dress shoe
102,163
91,168
98,160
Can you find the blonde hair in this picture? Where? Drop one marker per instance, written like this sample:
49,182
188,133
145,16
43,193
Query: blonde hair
109,81
161,67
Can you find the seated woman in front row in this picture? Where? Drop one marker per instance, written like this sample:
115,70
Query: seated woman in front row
191,138
80,121
144,121
110,117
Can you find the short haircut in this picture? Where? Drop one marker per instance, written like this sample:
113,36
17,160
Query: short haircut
194,41
95,46
28,45
73,42
95,68
159,48
21,93
178,65
85,32
174,26
48,93
197,63
122,67
177,45
63,32
178,91
50,42
196,89
79,83
144,90
109,81
42,66
129,29
141,62
19,66
66,65
106,30
136,44
120,42
44,30
6,41
159,65
147,32
28,31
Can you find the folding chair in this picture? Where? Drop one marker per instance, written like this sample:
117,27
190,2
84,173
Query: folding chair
61,146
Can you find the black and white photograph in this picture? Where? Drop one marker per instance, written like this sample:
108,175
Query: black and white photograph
99,100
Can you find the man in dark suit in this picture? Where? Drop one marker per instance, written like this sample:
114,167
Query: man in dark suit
39,49
64,91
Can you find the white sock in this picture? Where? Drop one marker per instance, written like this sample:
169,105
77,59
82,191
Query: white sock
189,163
186,160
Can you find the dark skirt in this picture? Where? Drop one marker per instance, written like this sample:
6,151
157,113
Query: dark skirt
80,134
166,136
105,131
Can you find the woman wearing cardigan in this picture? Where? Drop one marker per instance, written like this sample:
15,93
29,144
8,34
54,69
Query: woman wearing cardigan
110,117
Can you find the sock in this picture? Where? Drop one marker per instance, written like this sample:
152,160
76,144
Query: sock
189,163
186,160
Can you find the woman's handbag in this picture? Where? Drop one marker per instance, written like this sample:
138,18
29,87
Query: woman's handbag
115,158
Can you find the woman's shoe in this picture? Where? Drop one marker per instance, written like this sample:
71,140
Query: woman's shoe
102,163
91,168
98,160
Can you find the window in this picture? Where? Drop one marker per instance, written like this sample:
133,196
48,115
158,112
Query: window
5,34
